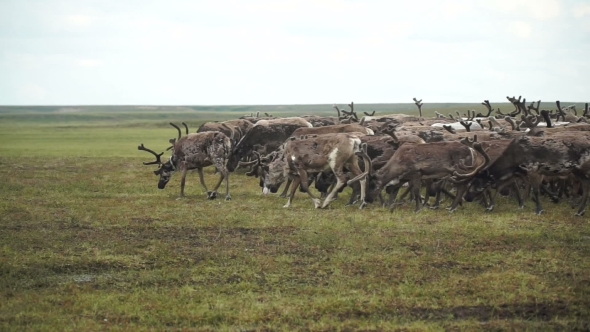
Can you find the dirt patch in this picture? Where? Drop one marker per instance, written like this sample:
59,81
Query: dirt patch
482,313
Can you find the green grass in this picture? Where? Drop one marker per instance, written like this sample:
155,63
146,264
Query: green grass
87,242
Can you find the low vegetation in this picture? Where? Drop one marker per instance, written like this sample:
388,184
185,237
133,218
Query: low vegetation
87,242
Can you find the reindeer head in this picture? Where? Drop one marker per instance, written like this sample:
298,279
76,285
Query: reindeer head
166,169
272,175
165,172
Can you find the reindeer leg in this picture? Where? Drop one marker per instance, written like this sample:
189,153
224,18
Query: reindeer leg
405,193
381,200
586,192
416,185
182,181
294,187
354,195
535,180
284,193
200,170
363,193
340,182
550,192
517,193
448,194
226,176
438,187
488,192
393,191
562,186
458,197
227,195
303,182
223,174
429,186
356,171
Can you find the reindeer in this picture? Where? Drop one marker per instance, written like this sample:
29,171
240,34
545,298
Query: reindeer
534,158
416,162
195,151
233,129
316,154
265,136
332,129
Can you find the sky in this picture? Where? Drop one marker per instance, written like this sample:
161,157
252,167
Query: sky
223,52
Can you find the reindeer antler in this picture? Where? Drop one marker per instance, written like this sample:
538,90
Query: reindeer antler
368,164
532,107
449,129
157,161
486,103
467,125
177,128
516,103
390,130
463,176
419,104
469,142
186,128
512,123
254,171
352,112
547,118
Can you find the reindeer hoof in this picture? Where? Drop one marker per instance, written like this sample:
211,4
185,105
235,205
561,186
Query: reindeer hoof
434,207
539,212
180,198
352,203
317,203
228,197
580,214
490,208
283,196
363,205
286,205
211,195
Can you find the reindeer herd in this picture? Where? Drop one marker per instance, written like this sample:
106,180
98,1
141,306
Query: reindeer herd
464,157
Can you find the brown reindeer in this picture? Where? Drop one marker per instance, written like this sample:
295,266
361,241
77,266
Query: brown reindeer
195,151
416,162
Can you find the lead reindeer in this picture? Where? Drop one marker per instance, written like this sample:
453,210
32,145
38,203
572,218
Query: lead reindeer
195,151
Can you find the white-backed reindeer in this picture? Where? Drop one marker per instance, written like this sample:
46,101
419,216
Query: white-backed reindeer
195,151
315,154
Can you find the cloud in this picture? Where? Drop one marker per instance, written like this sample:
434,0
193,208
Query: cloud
538,9
520,29
455,9
581,10
78,20
89,62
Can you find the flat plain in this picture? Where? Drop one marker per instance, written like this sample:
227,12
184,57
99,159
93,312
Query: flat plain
88,242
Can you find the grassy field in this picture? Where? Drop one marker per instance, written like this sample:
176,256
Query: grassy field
87,242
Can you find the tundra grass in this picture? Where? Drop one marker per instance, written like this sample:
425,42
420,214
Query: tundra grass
87,242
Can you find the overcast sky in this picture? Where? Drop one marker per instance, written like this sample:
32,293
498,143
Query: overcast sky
219,52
